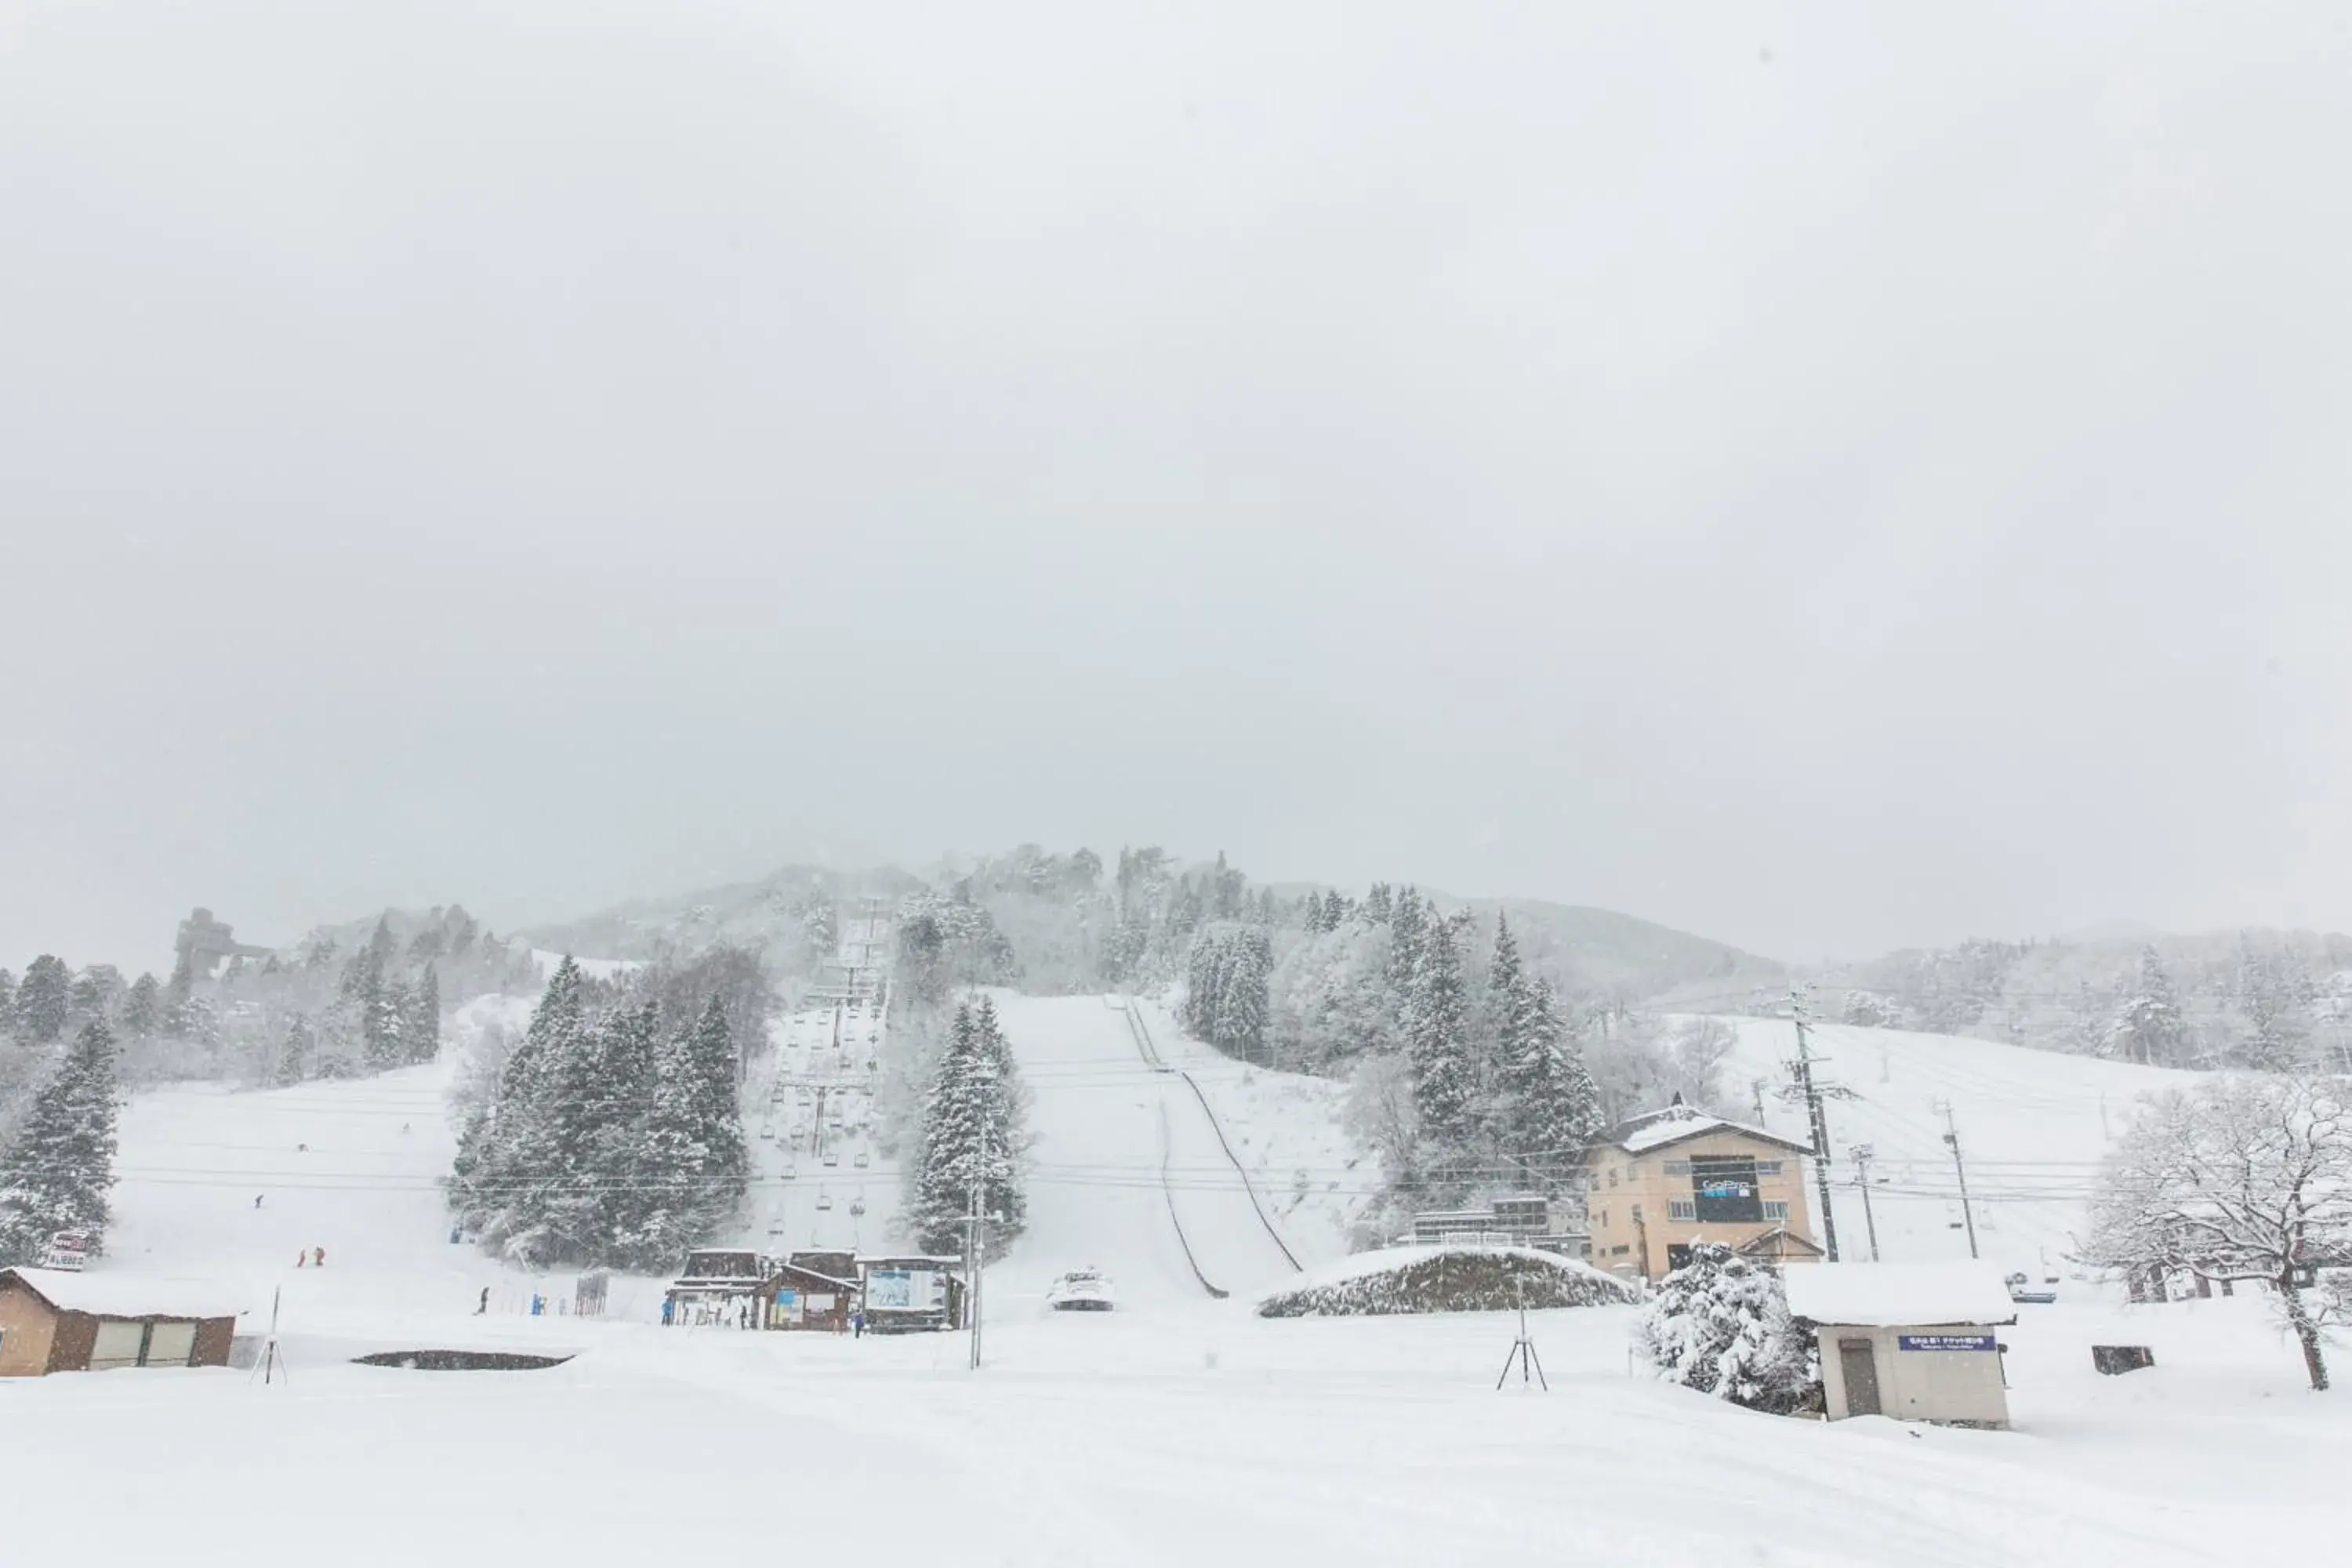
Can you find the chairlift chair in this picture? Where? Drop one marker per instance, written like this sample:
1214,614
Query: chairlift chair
857,1208
824,1201
832,1157
860,1161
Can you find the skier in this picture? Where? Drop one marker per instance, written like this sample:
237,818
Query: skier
317,1258
301,1258
858,1323
256,1200
668,1306
483,1310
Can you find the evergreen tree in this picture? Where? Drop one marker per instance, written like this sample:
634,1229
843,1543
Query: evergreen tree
422,1033
96,990
1408,919
293,1064
1241,1004
1547,1106
56,1174
506,1172
43,999
142,1007
2150,1030
1720,1324
384,1023
974,1102
1436,1029
693,1164
7,1003
1378,904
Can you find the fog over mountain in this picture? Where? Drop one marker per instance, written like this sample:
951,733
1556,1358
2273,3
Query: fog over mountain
1825,487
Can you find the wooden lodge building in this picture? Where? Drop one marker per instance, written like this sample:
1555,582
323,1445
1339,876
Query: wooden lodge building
54,1321
810,1291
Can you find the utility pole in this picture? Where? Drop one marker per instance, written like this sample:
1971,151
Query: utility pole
1862,1155
1819,1120
1959,1169
985,1074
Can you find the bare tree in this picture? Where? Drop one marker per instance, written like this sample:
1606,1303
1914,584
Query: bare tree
2243,1179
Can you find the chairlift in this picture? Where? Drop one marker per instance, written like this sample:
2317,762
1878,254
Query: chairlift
791,1170
860,1161
833,1157
768,1131
857,1208
824,1201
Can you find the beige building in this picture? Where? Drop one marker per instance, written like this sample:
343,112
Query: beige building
1914,1341
1661,1183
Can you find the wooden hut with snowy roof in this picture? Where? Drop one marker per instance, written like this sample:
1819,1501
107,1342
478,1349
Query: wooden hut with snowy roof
54,1321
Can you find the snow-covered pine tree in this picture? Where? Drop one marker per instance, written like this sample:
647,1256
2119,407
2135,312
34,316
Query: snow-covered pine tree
1240,1013
1436,1029
43,999
384,1023
7,1003
56,1171
142,1008
506,1165
2149,1030
421,1034
693,1164
1550,1107
1408,918
1720,1324
294,1048
973,1099
1378,904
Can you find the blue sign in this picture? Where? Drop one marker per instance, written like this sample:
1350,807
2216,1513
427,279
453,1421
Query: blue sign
1946,1343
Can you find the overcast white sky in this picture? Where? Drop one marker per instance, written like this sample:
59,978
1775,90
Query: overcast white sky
1826,477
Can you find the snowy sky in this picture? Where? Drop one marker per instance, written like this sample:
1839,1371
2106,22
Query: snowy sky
1822,479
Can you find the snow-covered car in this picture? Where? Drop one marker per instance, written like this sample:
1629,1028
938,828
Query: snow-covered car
1081,1290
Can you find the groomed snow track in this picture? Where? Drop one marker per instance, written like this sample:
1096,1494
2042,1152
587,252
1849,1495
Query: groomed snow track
1152,1058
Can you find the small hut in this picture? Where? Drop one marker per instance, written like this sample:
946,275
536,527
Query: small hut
801,1295
53,1320
1914,1341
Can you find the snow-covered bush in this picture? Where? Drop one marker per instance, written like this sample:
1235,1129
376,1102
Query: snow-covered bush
1720,1324
1445,1279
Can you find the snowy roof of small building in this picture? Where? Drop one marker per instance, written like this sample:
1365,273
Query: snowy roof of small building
1677,1121
1899,1295
105,1294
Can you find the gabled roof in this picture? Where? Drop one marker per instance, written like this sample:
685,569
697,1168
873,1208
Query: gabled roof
802,1271
106,1294
1899,1295
1676,1122
1780,1241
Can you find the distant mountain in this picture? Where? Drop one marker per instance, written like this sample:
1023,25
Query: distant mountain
1602,953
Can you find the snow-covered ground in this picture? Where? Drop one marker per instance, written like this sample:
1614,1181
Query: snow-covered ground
1176,1430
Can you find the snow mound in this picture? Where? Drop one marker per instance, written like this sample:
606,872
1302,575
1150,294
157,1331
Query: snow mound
1445,1278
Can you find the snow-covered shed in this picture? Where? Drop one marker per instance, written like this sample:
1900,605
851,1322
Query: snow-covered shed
1914,1341
811,1291
54,1321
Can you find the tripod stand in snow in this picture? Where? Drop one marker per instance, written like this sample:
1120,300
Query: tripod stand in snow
1523,1351
272,1364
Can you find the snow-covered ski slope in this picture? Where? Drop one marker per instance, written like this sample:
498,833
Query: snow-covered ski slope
2032,1125
1125,1171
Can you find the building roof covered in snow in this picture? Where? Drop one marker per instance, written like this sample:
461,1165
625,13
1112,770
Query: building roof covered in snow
1656,1128
1899,1295
106,1294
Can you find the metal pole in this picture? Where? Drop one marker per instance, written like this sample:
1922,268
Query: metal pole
1820,1125
1960,1169
1862,1155
985,1074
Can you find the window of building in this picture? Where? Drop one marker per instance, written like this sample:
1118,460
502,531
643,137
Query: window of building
1682,1208
1612,1176
1776,1208
1678,1167
1620,1249
1768,1167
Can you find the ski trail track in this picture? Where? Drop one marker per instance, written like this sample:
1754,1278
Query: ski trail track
1105,1127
